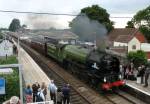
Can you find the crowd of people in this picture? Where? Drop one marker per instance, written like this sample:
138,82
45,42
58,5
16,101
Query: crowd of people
38,93
141,73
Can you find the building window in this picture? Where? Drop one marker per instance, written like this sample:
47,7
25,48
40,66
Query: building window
134,47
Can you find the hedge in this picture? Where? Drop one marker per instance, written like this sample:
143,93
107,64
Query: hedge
12,80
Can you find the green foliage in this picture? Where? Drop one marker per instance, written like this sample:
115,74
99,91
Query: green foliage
130,24
1,37
143,16
12,84
14,25
9,60
12,80
137,58
97,13
146,31
24,26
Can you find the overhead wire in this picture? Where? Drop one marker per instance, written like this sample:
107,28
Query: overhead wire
46,13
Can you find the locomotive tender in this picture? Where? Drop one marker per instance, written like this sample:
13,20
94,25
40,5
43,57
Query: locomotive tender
98,68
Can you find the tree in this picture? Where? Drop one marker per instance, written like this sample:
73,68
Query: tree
142,19
1,36
24,26
130,24
137,58
96,13
14,25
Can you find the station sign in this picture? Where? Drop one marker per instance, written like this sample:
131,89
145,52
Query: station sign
2,86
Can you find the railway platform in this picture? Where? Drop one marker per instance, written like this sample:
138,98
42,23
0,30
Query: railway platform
32,72
136,89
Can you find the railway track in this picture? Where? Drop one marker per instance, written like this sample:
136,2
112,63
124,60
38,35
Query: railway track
80,92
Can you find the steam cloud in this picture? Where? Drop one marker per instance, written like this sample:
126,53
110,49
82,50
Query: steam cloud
90,30
43,21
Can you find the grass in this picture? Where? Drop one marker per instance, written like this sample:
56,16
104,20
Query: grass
9,60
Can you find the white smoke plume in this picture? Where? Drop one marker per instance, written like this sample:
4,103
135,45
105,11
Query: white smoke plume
45,22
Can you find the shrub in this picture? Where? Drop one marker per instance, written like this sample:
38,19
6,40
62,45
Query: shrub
137,58
12,80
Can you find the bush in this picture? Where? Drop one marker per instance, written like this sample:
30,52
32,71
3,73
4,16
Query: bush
137,58
12,80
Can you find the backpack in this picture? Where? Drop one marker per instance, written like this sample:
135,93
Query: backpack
39,98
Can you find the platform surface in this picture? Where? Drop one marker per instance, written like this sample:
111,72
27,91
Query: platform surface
31,71
138,86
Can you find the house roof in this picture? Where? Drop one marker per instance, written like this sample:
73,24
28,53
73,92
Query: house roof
125,35
140,37
113,35
123,38
148,55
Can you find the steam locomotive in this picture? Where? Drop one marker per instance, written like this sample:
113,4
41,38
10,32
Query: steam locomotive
98,68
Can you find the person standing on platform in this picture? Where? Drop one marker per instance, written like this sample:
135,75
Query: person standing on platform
142,73
66,94
44,89
28,94
14,49
40,96
35,88
59,96
147,72
53,90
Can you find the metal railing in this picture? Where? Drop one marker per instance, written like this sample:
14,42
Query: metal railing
45,102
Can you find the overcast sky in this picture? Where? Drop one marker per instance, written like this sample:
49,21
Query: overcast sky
114,7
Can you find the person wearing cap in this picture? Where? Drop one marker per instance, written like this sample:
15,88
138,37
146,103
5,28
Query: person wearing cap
13,100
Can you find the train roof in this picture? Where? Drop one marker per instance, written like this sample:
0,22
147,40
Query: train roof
58,34
38,39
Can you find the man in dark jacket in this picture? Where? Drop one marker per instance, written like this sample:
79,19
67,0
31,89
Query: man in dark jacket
147,72
66,94
142,72
35,88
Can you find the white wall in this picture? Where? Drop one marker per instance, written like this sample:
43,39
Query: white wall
6,48
135,42
117,44
145,47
